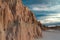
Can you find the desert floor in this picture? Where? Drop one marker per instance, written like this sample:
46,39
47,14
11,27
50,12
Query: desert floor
50,35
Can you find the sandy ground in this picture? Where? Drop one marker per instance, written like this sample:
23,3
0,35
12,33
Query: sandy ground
50,35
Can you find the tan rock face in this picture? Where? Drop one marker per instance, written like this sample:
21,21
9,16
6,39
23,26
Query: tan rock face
17,22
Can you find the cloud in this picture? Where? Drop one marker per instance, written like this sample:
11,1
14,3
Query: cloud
50,19
39,7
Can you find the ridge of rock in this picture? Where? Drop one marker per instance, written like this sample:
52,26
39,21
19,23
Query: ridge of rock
17,22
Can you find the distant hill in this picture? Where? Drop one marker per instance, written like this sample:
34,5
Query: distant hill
52,27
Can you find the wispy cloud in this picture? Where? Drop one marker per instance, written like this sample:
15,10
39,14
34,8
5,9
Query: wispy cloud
45,7
50,18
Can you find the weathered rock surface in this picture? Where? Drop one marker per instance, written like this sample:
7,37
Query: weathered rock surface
17,22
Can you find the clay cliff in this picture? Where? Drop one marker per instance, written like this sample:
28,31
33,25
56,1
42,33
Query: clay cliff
17,22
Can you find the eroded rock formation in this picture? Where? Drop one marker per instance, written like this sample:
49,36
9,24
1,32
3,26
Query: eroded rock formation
17,22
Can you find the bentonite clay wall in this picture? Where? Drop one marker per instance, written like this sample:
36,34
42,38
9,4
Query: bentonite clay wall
17,22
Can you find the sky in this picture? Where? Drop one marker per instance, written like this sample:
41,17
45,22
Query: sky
45,11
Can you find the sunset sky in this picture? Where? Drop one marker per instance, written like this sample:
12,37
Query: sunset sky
46,11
